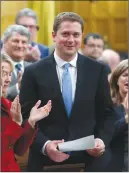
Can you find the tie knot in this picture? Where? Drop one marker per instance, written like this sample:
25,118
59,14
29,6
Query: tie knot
66,66
18,67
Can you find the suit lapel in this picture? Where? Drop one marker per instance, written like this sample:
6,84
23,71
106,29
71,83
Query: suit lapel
55,82
82,77
14,79
25,63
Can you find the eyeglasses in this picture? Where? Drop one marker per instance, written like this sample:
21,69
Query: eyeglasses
31,26
93,46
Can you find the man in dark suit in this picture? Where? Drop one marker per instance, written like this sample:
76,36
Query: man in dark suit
28,18
81,103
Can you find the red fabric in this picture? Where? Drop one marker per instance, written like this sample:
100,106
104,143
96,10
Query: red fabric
14,138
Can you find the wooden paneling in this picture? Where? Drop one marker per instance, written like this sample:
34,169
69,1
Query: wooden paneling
9,10
109,18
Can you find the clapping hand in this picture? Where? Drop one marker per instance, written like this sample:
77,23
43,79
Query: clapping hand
37,114
16,111
33,53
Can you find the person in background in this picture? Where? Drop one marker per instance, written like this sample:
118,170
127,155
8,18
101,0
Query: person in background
119,93
28,18
82,106
111,58
93,45
16,137
15,44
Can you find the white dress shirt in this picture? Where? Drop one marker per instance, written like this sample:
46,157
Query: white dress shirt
72,70
73,73
15,71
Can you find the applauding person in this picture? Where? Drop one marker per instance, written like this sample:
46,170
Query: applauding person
119,93
15,139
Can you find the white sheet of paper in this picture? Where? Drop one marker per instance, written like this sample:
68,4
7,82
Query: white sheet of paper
78,144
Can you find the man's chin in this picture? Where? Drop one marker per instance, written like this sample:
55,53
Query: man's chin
70,52
18,57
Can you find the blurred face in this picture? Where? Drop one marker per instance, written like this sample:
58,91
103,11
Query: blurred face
30,23
113,62
16,46
94,48
123,82
68,39
6,74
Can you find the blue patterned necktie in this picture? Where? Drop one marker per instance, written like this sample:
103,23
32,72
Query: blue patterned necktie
18,68
67,89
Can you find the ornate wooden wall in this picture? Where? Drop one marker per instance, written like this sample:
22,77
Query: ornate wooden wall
109,18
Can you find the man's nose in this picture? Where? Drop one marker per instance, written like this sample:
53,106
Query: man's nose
71,38
20,44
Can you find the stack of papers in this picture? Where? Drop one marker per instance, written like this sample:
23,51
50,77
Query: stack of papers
84,143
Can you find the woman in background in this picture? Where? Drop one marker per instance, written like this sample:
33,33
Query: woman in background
15,137
119,93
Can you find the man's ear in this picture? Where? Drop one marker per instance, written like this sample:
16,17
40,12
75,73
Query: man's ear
53,36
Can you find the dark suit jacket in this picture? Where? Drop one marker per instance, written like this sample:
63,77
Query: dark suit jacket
12,90
44,50
92,111
14,138
118,142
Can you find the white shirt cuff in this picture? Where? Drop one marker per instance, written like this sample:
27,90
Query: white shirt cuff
43,148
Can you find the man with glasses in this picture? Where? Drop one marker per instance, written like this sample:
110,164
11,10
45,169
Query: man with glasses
93,45
28,18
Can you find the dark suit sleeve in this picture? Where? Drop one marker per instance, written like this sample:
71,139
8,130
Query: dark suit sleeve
105,112
120,125
44,50
13,91
28,98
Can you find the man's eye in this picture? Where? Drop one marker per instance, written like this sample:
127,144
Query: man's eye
24,42
65,34
76,35
15,41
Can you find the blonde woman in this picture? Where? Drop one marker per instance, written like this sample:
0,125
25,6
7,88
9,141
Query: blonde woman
15,139
119,93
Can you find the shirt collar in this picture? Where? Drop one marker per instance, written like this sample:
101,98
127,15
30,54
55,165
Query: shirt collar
60,62
21,62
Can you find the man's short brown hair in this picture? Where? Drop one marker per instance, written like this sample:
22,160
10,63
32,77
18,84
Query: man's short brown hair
67,16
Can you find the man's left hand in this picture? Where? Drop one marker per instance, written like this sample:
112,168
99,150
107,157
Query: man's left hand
98,150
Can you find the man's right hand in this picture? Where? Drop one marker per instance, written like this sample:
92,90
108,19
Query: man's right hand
53,153
32,54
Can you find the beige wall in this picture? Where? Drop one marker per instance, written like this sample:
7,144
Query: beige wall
8,12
